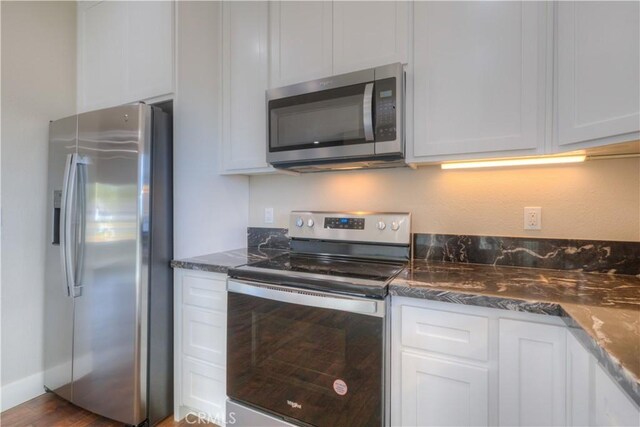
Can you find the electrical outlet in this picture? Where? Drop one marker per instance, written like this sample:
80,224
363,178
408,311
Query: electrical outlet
268,215
533,218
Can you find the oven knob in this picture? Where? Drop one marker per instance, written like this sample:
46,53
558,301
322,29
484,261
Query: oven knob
381,225
299,222
395,226
310,223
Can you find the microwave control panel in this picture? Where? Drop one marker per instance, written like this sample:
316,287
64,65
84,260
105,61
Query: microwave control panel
385,108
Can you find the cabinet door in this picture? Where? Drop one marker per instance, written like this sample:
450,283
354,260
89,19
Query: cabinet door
598,72
101,55
300,41
244,77
478,77
125,52
531,363
438,392
204,388
612,406
578,383
149,49
369,33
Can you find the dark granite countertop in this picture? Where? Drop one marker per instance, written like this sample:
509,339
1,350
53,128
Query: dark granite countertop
602,310
221,262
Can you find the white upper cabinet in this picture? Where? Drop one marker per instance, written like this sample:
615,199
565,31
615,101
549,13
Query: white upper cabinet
150,38
301,41
125,52
597,73
314,39
245,74
478,79
101,41
368,34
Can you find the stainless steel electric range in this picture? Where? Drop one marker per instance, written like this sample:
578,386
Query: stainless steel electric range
307,331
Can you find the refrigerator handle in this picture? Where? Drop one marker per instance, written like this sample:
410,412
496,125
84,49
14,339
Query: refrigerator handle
65,223
79,244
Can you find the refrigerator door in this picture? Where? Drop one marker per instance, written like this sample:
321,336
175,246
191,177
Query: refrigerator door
110,347
58,333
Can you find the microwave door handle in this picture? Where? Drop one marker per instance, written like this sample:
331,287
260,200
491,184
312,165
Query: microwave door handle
367,112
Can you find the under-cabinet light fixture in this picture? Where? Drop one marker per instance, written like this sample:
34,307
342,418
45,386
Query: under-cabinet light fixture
530,161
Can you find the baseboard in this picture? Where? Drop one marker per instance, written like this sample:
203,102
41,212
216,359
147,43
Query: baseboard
20,391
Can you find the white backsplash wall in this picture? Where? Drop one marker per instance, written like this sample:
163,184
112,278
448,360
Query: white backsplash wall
598,199
38,85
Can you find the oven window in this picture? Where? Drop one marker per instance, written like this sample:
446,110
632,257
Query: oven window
321,119
319,366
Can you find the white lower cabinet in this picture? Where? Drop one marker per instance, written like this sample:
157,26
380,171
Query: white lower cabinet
612,406
439,392
532,373
202,333
579,374
203,388
593,398
200,343
442,368
460,365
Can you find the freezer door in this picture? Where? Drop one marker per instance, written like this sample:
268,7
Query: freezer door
58,309
110,349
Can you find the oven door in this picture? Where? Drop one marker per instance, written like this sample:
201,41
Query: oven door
307,357
333,123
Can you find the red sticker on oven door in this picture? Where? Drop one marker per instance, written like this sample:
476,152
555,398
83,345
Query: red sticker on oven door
340,387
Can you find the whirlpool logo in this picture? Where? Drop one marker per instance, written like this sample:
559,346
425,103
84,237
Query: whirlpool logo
294,405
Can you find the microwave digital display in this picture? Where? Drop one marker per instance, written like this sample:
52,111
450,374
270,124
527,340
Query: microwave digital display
386,93
345,223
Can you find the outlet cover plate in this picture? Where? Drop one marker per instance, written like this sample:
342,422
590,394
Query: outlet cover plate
268,215
533,218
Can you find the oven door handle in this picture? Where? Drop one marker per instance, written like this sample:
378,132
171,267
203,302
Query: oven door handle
308,298
367,112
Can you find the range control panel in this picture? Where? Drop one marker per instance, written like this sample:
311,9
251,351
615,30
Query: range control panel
373,227
344,223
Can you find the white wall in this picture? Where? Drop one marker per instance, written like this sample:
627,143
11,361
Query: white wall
594,200
38,84
210,211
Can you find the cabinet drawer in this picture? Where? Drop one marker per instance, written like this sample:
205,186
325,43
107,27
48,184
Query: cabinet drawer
445,332
204,387
204,335
204,292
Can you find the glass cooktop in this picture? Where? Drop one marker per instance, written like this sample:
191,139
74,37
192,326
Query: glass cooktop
325,273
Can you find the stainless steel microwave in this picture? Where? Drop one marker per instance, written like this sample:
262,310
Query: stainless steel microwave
348,121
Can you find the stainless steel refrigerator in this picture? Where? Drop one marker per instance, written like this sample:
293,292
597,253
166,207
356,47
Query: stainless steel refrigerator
108,306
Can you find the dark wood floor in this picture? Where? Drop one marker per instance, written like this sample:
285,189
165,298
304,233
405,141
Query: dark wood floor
49,410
